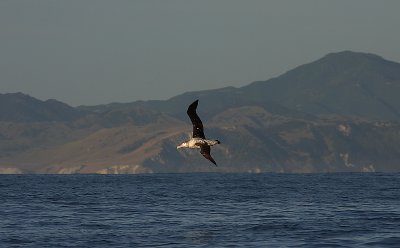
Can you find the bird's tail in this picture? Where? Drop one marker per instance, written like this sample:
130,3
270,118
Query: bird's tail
218,142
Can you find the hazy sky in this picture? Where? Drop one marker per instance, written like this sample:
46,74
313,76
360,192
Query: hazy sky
92,51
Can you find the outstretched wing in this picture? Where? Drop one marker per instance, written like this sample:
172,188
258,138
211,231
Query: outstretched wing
197,124
205,151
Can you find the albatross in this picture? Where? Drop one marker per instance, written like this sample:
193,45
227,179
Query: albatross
198,140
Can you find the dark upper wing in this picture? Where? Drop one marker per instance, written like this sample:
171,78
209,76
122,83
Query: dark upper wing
197,124
205,151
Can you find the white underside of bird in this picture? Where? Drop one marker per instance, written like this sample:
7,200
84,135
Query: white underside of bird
196,143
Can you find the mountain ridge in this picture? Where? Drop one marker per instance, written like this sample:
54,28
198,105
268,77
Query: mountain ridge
19,107
338,113
366,83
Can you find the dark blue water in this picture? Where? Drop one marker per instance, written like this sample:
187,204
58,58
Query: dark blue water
200,210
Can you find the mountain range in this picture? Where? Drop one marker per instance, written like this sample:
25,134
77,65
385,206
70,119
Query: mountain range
338,113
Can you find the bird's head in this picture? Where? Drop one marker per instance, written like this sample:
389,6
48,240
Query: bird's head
184,144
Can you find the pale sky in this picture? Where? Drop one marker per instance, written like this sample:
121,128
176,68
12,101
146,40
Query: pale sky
98,51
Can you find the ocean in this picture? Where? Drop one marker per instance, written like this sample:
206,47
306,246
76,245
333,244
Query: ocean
200,210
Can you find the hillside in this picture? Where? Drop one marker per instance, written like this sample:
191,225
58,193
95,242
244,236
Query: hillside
339,113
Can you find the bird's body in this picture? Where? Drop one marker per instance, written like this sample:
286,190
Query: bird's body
198,140
197,143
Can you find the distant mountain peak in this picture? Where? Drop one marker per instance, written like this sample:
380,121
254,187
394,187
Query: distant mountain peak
348,58
20,107
16,95
346,83
351,54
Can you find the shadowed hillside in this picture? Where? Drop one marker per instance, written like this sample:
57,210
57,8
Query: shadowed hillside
345,83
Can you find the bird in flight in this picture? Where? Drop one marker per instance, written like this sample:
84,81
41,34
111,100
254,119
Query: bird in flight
198,140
